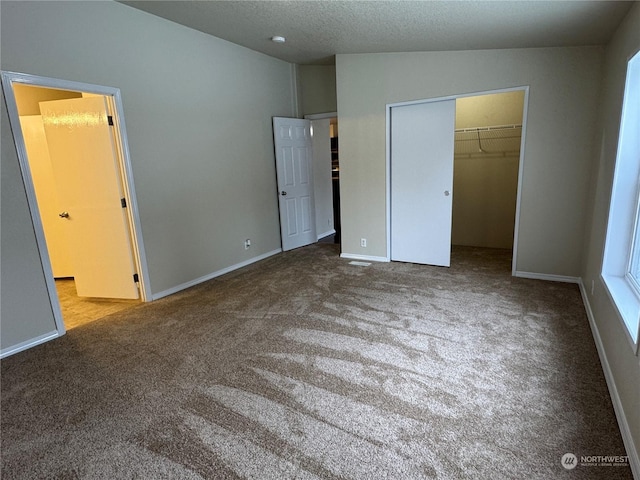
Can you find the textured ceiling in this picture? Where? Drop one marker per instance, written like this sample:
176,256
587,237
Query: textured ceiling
317,30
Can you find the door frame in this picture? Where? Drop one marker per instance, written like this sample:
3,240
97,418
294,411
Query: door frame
389,106
324,116
114,98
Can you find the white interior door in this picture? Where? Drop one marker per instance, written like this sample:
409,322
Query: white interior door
322,182
49,205
292,139
422,141
87,172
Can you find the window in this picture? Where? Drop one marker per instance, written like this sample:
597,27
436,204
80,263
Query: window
621,266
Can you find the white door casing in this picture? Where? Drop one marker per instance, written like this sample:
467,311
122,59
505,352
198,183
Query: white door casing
85,165
292,140
422,142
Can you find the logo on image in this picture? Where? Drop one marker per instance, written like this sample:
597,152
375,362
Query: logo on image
569,461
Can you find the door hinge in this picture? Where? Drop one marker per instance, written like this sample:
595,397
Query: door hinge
136,279
123,202
110,120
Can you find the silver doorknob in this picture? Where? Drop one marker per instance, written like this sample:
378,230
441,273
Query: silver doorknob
446,193
283,193
64,215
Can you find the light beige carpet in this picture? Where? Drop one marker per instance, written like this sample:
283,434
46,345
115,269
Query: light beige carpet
304,366
77,311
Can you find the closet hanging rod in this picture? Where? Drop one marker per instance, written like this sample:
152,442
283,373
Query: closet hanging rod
493,127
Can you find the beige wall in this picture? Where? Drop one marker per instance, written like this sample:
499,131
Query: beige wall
489,110
317,84
47,195
623,363
484,201
564,85
28,98
198,112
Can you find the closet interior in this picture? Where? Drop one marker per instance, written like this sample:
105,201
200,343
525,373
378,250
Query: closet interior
486,162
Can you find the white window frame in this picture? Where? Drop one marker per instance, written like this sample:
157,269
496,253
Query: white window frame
635,247
624,211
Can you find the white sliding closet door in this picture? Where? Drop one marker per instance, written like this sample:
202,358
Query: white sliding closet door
422,140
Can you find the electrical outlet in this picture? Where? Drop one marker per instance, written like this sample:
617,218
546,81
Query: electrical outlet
247,243
363,242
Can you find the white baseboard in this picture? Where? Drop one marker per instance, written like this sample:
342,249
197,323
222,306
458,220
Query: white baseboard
623,424
5,352
546,276
326,234
369,258
210,276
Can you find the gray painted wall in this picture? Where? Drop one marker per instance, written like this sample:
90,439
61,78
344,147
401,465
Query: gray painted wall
564,86
25,310
624,364
198,112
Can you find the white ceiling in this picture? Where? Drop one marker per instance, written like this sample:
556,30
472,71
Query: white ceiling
317,30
